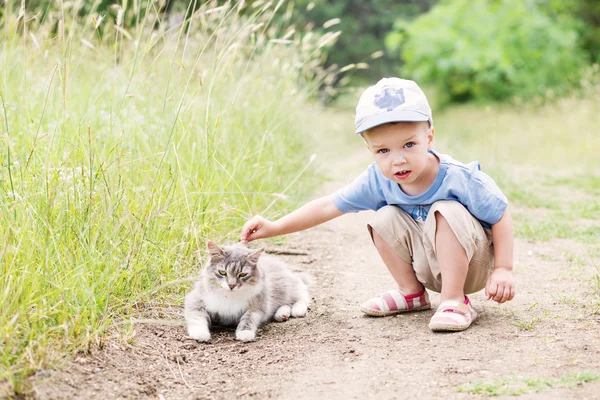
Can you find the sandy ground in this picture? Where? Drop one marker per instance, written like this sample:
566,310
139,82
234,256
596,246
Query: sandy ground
547,331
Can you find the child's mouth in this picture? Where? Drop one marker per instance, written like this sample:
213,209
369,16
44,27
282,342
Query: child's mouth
402,174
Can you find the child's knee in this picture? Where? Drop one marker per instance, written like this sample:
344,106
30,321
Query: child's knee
381,234
447,208
440,221
385,215
383,220
449,215
393,227
452,217
377,239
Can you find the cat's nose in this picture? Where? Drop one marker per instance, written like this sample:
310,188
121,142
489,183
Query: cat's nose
232,286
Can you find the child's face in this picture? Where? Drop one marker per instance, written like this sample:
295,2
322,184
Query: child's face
400,150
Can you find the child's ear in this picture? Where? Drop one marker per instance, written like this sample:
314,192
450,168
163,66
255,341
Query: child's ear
430,135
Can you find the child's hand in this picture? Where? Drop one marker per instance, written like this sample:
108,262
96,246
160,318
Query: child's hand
500,286
257,228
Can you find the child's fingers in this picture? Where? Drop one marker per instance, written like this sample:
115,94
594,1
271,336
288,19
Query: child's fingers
245,236
491,289
252,235
499,293
248,229
512,292
506,295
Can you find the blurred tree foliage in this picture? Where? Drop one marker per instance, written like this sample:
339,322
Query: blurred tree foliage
364,26
584,16
489,50
471,49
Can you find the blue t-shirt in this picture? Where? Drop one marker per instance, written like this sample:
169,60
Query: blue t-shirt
464,183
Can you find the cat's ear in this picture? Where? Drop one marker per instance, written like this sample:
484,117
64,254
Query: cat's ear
253,257
215,251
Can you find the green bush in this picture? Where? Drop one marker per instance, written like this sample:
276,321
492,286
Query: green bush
583,14
488,50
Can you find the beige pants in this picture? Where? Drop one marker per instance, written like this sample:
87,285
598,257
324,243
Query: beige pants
414,242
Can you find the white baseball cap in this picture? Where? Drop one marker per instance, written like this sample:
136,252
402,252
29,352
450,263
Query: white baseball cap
391,100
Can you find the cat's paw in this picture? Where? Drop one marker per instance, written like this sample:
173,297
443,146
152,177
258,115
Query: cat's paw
199,332
282,314
299,309
245,336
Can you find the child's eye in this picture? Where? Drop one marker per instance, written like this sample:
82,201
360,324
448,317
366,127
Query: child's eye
409,145
222,272
382,151
242,274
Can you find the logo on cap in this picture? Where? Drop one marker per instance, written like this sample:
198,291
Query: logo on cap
390,98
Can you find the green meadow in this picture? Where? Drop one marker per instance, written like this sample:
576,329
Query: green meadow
545,158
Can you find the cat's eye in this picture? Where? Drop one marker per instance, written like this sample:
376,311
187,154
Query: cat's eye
222,272
242,274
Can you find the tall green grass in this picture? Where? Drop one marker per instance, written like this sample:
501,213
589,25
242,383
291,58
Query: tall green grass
122,152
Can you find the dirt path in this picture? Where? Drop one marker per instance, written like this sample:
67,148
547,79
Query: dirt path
337,353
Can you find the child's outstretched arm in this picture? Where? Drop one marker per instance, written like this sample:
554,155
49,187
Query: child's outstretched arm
500,285
311,214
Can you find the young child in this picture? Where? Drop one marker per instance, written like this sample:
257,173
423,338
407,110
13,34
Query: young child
436,218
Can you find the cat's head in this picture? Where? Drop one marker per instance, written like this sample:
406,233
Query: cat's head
233,267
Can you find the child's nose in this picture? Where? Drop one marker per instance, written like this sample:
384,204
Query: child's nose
399,160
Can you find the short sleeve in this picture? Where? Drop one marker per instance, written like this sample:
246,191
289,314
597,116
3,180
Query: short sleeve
485,200
364,193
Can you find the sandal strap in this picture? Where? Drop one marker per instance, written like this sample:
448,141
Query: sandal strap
453,316
394,300
454,306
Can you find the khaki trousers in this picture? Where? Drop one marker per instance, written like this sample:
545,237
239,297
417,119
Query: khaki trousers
414,242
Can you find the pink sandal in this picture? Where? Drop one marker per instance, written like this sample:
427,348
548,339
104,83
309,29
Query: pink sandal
394,302
453,316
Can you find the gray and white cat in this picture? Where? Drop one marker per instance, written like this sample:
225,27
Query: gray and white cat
240,287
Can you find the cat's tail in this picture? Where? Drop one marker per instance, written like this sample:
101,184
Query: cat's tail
306,278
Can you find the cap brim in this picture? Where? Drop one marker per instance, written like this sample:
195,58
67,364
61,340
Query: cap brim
391,116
